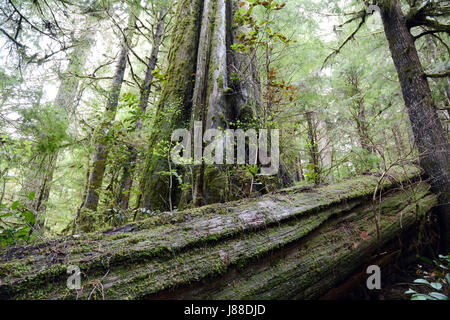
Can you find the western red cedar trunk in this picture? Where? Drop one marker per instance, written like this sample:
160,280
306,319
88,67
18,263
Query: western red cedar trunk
429,135
175,104
198,89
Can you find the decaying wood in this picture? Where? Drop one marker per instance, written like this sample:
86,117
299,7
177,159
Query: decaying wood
296,243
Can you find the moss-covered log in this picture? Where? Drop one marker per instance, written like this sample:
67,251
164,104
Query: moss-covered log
296,243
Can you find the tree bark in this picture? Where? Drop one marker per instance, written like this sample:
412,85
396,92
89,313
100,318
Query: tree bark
286,245
201,64
175,104
429,135
359,111
444,110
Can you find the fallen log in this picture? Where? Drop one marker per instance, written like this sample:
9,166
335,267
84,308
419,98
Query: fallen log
298,243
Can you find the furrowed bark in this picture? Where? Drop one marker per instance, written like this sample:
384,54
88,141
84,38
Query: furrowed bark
291,244
175,104
202,93
430,137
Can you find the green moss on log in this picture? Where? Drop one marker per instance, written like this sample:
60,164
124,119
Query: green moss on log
202,251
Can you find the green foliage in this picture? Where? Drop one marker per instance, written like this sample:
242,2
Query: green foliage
16,223
434,285
47,125
311,173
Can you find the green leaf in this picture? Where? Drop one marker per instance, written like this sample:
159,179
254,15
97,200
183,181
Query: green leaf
410,291
421,281
22,233
15,205
438,296
29,217
420,296
31,196
447,277
436,285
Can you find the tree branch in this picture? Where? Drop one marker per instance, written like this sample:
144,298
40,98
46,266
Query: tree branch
437,75
350,37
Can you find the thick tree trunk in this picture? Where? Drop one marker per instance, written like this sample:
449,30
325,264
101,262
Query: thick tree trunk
430,138
201,63
100,140
175,104
286,245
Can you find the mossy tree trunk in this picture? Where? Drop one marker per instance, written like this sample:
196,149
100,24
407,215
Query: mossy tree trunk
313,146
429,135
200,88
358,110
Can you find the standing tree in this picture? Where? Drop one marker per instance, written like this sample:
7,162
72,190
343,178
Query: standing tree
429,135
87,217
202,86
145,89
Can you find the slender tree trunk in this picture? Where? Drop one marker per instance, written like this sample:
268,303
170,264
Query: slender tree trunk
64,101
429,135
311,118
4,177
363,130
324,145
398,142
102,134
299,170
444,111
359,112
128,169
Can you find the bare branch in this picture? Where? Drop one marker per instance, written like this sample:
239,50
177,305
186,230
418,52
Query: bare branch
350,37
